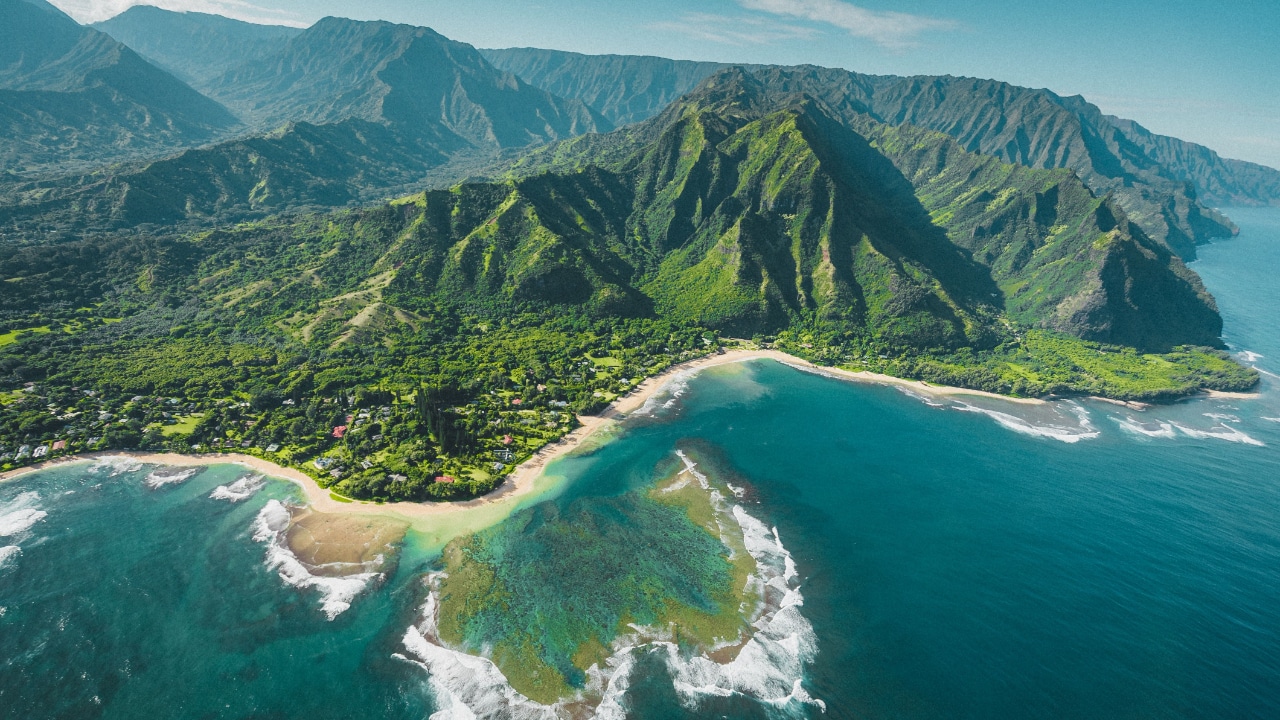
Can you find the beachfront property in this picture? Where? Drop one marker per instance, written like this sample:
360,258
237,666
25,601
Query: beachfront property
40,451
323,463
23,452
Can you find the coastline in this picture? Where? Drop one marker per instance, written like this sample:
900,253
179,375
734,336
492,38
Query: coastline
522,481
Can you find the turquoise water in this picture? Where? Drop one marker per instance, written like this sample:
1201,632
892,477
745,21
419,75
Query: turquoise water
957,558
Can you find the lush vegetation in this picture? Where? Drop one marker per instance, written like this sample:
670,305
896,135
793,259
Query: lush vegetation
421,348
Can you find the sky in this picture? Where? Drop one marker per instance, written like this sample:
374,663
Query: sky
1208,72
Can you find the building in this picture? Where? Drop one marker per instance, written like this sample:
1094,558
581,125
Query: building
40,451
339,431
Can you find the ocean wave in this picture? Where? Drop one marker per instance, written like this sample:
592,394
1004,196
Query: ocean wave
242,489
8,555
1221,432
1149,429
19,515
769,667
337,593
1249,356
170,476
1271,419
931,402
1223,417
1085,431
116,465
672,391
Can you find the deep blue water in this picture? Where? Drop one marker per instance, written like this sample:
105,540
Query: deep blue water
954,564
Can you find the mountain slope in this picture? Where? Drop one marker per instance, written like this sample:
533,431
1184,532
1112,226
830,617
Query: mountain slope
386,104
1050,253
70,94
398,74
196,47
623,88
1164,183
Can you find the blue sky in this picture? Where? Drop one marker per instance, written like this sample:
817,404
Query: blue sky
1206,72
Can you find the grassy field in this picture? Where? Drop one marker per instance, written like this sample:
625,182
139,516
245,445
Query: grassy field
13,335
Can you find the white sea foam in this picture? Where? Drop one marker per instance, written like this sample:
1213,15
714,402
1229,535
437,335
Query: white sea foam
337,593
1271,419
668,395
116,465
1221,432
769,667
931,402
1085,431
1223,417
9,555
1249,356
1149,429
19,515
170,476
242,489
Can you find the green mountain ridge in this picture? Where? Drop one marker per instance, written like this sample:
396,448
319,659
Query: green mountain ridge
1149,174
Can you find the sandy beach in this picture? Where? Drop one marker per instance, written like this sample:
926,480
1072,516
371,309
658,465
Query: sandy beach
522,481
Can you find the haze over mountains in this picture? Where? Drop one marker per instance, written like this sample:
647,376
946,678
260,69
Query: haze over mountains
743,199
70,95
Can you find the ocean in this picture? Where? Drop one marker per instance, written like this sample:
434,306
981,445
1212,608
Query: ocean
933,557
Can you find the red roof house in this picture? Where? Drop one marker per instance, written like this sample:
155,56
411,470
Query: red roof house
339,431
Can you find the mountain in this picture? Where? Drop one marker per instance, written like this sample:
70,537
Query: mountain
400,75
754,210
70,94
1166,185
623,88
196,47
361,110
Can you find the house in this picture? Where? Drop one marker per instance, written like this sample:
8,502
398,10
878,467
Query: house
395,478
517,401
40,451
246,443
273,447
339,431
323,463
504,455
23,452
366,464
60,445
507,439
498,467
335,473
445,479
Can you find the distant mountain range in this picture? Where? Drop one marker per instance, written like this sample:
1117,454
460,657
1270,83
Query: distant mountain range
1166,184
72,96
196,47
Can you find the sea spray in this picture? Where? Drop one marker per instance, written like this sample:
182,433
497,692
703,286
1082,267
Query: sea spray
672,391
1148,429
1085,430
240,490
1221,432
164,477
19,515
9,555
337,593
115,465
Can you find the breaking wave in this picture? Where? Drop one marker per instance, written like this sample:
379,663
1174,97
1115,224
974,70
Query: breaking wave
1085,430
1149,429
116,465
171,476
8,555
18,515
1249,356
242,489
1271,419
1221,432
769,666
931,402
672,391
337,593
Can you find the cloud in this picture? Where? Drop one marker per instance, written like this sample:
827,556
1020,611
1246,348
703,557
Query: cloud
893,30
91,11
734,30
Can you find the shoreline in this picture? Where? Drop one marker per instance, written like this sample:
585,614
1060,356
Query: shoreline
523,479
